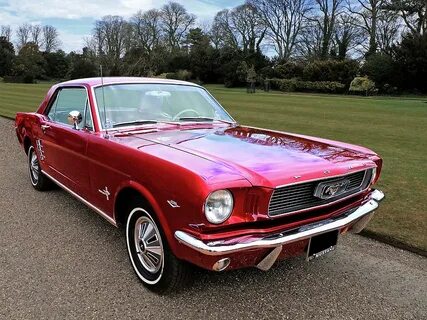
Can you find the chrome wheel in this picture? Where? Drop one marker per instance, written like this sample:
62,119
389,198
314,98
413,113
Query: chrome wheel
34,167
148,244
149,253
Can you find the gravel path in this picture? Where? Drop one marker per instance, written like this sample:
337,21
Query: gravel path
59,260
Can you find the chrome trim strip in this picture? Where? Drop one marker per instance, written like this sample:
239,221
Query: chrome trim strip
302,233
99,211
324,178
322,205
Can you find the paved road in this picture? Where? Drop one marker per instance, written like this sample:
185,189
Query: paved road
60,260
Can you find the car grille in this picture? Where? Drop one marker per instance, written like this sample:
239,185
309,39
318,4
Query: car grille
300,196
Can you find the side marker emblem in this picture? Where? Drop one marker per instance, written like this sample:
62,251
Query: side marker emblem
40,149
105,192
173,204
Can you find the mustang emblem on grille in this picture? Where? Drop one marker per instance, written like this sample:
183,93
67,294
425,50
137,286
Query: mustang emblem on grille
327,190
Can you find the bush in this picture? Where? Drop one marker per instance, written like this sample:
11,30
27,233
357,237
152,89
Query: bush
13,79
289,70
331,70
362,85
183,75
294,85
381,69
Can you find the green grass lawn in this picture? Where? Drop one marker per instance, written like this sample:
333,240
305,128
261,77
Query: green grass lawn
396,128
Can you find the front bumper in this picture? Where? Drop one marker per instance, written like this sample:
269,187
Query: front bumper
355,219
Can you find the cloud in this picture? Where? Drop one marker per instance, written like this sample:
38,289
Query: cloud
75,9
63,12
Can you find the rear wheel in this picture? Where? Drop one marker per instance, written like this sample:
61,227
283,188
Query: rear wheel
150,255
38,180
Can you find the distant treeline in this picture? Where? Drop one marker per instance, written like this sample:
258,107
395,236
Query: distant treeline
291,44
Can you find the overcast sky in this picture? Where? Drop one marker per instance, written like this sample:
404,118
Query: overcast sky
74,18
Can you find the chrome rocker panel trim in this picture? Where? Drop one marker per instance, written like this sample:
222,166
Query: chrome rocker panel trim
87,203
362,214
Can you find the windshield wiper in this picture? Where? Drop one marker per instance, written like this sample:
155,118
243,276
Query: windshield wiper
136,122
204,119
196,119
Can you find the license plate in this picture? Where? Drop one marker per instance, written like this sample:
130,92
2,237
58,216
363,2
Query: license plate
322,244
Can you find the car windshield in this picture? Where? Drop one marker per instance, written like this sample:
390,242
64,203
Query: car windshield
138,104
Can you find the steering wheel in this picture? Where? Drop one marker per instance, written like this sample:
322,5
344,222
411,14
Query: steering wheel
178,115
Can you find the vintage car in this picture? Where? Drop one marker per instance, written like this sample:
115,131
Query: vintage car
189,185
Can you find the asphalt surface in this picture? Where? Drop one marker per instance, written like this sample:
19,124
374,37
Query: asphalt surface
60,260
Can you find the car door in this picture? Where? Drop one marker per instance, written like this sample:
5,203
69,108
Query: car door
63,145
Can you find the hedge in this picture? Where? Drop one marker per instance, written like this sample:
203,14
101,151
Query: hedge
294,85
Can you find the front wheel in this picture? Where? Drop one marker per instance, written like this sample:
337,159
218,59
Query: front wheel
152,260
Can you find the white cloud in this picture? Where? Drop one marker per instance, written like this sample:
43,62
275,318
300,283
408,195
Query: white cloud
16,12
74,9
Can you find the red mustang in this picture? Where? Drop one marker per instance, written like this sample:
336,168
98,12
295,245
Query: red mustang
163,159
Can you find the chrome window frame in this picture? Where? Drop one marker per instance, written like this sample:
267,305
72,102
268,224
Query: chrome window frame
53,99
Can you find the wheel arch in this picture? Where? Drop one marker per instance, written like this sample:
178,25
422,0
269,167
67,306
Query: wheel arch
27,144
123,198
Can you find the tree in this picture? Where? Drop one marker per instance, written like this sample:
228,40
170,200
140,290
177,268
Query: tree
347,37
388,31
203,58
7,56
284,20
148,29
57,64
30,64
36,34
23,34
222,32
367,16
249,27
325,21
50,40
176,21
413,13
81,65
6,32
110,40
411,59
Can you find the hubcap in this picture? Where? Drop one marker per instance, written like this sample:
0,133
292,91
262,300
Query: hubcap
34,167
148,244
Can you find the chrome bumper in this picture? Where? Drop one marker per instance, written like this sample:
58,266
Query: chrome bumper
358,218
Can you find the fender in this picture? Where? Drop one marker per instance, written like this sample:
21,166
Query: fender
154,204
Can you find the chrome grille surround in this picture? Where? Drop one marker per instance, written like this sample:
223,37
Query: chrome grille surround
297,197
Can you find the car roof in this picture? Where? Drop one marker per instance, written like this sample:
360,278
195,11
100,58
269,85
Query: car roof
117,80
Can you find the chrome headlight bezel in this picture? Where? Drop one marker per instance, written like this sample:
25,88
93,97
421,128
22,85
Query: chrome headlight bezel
218,206
374,175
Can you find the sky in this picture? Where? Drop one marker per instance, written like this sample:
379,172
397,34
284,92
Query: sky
74,19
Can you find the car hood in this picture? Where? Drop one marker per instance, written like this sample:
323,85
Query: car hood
265,157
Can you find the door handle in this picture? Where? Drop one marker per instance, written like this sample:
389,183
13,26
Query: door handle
44,127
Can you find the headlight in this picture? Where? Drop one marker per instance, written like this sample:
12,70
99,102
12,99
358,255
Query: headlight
218,206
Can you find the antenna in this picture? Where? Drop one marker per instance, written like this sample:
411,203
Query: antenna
103,103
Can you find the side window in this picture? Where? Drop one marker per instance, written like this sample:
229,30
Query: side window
67,100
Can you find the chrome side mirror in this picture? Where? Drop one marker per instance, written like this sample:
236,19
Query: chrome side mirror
75,118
